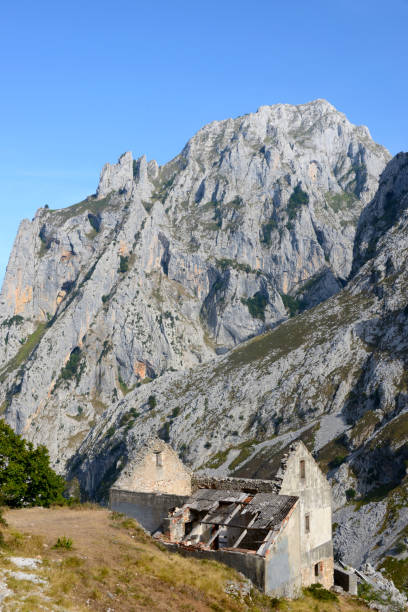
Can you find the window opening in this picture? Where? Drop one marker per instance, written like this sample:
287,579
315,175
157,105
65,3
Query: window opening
188,528
302,468
159,459
307,523
318,568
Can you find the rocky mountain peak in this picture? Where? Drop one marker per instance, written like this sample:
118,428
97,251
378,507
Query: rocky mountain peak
168,267
116,177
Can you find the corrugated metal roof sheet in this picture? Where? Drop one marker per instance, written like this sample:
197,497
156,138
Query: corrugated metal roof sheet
269,509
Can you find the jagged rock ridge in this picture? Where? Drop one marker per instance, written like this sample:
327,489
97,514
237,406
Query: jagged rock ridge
166,267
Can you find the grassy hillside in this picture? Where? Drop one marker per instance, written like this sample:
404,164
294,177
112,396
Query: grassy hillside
106,562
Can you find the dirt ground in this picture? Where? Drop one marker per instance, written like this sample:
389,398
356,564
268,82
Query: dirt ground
119,568
90,530
113,566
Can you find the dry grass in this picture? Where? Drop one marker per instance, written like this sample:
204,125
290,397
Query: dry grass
114,564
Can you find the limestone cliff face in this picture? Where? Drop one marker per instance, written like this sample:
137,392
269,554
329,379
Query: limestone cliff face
336,376
117,177
164,268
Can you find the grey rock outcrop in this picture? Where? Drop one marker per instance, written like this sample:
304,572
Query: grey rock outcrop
383,212
117,177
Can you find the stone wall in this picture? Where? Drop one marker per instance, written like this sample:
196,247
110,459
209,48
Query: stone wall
346,580
317,566
149,509
251,565
250,485
156,468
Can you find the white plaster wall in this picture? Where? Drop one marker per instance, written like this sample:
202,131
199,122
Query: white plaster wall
314,494
283,560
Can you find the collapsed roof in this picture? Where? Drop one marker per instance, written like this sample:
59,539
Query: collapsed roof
261,515
267,509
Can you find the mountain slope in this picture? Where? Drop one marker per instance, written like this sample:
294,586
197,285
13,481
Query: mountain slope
164,268
335,375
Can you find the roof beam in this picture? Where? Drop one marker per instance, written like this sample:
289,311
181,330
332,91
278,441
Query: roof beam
213,507
214,535
243,534
227,520
262,549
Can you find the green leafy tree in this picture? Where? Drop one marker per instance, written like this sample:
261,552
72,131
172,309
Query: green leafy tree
26,478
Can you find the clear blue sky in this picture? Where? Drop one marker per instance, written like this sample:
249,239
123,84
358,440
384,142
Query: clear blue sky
82,82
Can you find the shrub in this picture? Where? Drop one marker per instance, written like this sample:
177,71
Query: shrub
256,305
152,401
95,221
225,264
16,320
318,592
124,264
266,231
337,461
350,494
291,304
298,199
64,542
368,593
26,478
71,367
116,516
175,413
397,570
125,418
123,386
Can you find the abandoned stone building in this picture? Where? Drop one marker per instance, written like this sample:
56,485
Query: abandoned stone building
277,532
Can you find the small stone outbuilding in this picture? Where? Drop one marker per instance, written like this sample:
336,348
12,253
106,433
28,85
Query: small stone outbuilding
152,483
276,531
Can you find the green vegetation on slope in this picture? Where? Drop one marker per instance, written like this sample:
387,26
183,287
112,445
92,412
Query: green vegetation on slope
340,201
291,304
24,352
312,327
397,571
256,305
89,205
298,199
266,231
